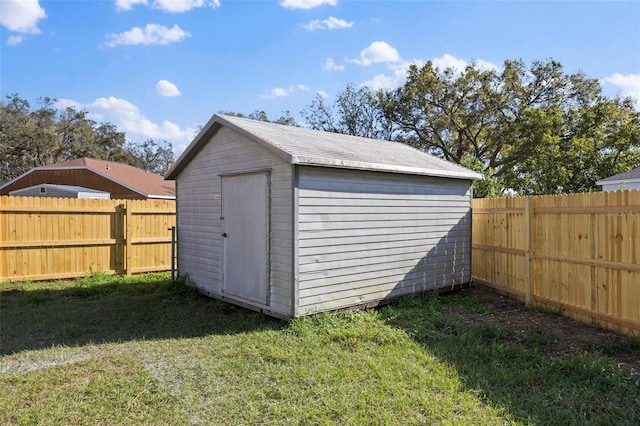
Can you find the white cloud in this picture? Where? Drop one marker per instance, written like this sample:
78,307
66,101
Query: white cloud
449,61
281,92
21,16
14,40
277,92
395,79
313,25
629,85
398,72
331,66
322,94
458,65
378,51
166,88
170,6
128,4
128,118
382,81
327,24
180,6
150,34
483,65
306,4
337,24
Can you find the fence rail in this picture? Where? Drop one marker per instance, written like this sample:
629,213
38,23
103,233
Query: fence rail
50,238
578,253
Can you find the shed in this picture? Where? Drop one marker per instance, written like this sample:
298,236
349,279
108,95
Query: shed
61,191
290,221
626,180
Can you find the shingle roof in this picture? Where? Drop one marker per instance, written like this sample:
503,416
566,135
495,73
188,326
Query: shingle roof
626,176
311,147
147,184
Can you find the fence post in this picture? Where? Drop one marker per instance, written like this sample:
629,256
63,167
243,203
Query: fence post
119,233
529,242
128,236
173,253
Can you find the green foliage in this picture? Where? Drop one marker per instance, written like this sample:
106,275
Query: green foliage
37,137
535,130
259,115
155,157
355,112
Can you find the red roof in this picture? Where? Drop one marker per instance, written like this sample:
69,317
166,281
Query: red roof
146,183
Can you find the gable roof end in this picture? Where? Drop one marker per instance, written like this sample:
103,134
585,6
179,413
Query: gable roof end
621,177
311,147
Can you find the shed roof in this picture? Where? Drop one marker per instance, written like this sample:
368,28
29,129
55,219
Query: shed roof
620,177
298,145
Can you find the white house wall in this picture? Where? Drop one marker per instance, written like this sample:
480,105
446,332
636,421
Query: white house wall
619,186
34,191
367,236
199,210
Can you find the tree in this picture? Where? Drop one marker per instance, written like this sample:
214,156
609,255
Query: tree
32,138
152,156
355,112
534,130
259,115
26,138
569,150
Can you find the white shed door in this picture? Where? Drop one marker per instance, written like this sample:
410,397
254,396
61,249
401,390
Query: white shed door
246,236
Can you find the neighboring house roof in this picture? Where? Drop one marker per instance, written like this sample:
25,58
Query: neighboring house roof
632,175
147,184
311,147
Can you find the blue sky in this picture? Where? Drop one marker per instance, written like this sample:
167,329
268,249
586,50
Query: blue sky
160,68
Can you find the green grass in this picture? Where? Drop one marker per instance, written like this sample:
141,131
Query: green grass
141,350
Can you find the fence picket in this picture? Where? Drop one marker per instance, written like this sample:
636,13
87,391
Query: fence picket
579,253
49,238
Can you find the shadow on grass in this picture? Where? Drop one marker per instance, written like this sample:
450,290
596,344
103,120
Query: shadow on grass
513,370
114,309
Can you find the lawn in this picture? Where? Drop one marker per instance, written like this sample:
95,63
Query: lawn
141,350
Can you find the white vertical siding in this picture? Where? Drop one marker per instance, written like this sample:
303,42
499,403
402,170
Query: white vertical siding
621,186
199,211
366,236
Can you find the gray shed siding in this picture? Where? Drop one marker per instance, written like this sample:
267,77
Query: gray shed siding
199,207
366,236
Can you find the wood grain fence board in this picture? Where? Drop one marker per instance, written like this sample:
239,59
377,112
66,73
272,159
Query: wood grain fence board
48,238
580,251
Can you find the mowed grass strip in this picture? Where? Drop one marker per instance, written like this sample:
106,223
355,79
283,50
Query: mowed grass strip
143,350
102,391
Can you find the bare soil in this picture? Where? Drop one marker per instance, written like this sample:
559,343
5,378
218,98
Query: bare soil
559,335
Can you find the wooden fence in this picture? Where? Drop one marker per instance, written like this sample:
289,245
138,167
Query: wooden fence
50,238
577,253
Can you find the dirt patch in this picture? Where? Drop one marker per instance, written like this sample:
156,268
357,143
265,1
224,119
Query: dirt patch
552,333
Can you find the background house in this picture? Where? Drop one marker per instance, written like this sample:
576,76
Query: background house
291,221
626,180
122,181
60,191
